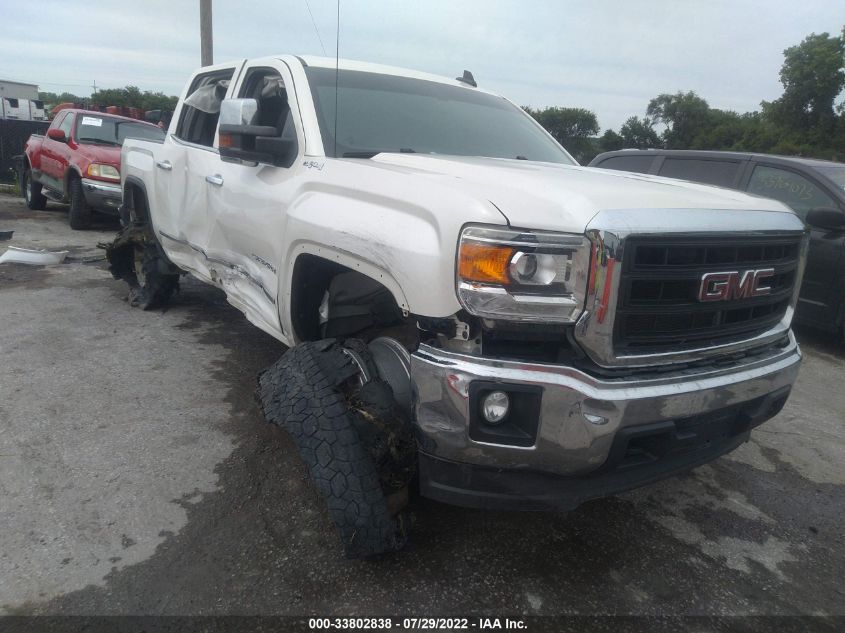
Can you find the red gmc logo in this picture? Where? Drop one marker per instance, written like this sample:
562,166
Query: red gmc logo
734,285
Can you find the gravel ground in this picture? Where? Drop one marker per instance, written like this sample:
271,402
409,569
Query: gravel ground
137,476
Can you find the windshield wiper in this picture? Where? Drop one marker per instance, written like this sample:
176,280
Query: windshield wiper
101,141
371,153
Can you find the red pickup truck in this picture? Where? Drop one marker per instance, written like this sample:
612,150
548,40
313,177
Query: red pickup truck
78,161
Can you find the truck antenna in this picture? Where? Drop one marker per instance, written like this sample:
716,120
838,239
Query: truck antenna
316,30
336,74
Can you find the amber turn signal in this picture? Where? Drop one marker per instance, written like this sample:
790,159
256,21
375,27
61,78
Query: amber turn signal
485,263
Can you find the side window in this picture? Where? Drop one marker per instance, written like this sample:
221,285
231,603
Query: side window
640,164
267,87
710,172
67,125
790,188
201,108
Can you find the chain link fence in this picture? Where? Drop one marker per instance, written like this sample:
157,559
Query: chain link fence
13,136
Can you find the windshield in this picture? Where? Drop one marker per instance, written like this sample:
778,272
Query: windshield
835,172
398,114
102,130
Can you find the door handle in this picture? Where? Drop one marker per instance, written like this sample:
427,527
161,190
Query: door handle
216,179
164,164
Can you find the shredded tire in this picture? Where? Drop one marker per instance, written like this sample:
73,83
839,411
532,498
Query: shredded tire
136,257
360,456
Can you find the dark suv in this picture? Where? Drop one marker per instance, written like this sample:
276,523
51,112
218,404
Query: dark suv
814,189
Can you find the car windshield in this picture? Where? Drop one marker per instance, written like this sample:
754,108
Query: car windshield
102,130
835,172
386,113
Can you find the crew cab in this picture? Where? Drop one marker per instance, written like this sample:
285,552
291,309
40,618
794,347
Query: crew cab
467,310
814,189
78,161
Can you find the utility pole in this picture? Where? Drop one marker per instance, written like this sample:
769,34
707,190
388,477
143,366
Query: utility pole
206,34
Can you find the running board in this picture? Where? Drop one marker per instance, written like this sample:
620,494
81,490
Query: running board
49,193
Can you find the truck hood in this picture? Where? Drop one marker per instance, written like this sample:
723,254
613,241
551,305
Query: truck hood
566,197
105,154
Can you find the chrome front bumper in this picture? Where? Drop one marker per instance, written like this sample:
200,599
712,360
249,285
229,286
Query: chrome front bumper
102,196
580,415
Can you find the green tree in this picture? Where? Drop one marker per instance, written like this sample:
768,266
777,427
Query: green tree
639,133
723,130
131,96
813,75
683,113
51,98
610,141
571,127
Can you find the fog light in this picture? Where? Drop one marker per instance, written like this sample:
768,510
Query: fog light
495,407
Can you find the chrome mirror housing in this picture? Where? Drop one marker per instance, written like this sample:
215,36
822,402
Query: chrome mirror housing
238,111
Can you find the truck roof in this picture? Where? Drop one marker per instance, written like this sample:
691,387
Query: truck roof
106,114
704,153
351,64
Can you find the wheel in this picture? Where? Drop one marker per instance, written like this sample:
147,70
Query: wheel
136,257
35,200
80,212
355,439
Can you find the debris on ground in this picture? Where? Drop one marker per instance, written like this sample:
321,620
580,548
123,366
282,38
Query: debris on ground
31,256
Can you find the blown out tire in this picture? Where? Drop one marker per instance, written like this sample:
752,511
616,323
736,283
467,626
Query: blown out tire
357,444
136,257
80,213
35,200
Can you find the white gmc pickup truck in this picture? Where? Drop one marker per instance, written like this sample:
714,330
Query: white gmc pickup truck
470,314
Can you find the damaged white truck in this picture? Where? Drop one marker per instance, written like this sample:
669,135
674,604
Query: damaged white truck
471,316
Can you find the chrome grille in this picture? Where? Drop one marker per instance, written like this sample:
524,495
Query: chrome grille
658,307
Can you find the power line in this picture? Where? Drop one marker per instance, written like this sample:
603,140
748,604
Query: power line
314,22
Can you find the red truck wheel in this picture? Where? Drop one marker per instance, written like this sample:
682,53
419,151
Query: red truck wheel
35,200
80,212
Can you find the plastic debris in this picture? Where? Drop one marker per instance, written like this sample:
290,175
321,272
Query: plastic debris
29,256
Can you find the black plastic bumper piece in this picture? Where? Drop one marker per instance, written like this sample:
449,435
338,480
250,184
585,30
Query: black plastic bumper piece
639,455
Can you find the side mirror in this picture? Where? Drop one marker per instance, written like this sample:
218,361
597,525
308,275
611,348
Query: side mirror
826,218
57,135
241,141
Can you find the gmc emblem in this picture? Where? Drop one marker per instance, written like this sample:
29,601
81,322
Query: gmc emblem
734,285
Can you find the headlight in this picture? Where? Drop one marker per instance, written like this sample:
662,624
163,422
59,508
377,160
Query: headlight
522,275
96,170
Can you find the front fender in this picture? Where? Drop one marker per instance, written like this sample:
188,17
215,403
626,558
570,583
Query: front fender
408,247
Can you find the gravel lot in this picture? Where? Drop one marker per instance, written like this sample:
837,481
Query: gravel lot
138,477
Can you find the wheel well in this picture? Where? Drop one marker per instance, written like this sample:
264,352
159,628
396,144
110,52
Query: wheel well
312,278
135,203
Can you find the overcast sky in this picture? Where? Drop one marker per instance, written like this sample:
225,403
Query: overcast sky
610,56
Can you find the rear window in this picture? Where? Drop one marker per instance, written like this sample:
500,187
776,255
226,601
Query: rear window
712,172
637,163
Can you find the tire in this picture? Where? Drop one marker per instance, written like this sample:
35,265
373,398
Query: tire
80,213
136,257
35,200
356,443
